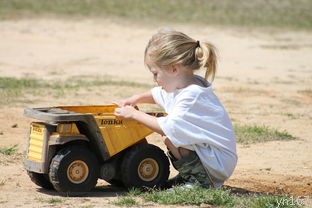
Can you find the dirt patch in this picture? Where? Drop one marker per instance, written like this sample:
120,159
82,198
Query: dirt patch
275,184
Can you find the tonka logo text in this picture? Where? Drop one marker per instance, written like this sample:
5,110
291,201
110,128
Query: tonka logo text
37,129
111,122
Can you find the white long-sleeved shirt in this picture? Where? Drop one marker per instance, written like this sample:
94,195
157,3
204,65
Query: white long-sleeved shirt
197,121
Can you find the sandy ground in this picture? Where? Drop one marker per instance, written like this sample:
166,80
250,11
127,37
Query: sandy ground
264,78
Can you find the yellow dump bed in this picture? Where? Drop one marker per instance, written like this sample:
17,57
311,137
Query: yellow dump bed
118,134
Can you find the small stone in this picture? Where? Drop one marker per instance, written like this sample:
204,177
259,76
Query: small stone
14,126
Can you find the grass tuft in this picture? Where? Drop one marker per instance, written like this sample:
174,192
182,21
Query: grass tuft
51,200
8,150
134,192
55,200
255,134
13,83
307,92
194,196
126,201
87,206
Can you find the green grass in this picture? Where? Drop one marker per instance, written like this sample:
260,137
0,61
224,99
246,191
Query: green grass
291,115
12,88
87,206
11,83
274,13
55,200
307,92
199,196
127,201
51,200
14,83
194,196
255,134
8,150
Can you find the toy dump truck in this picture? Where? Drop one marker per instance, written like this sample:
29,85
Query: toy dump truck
72,146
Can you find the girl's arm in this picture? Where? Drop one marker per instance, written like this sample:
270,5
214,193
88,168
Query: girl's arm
145,97
129,112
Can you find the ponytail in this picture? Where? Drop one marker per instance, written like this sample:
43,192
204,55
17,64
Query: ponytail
207,57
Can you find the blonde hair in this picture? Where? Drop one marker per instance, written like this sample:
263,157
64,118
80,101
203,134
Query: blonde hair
168,47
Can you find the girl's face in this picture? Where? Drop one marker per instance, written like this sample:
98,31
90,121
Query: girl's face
164,77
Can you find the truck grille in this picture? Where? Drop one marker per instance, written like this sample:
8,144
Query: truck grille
36,139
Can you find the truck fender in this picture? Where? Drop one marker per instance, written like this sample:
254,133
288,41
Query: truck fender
60,140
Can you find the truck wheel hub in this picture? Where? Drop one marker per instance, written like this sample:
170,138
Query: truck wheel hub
77,171
148,169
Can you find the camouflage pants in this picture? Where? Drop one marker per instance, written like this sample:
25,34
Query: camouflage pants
191,169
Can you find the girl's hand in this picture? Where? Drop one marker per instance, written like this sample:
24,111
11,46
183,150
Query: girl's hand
129,112
126,112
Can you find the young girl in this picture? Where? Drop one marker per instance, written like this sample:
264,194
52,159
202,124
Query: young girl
197,130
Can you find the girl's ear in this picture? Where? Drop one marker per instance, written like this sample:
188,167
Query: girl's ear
174,69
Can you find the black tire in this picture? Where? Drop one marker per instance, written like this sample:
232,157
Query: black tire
40,179
145,165
74,171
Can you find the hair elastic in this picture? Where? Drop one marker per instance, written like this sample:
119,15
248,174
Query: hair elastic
197,44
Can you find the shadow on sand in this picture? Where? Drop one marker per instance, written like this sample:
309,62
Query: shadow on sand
99,191
112,191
